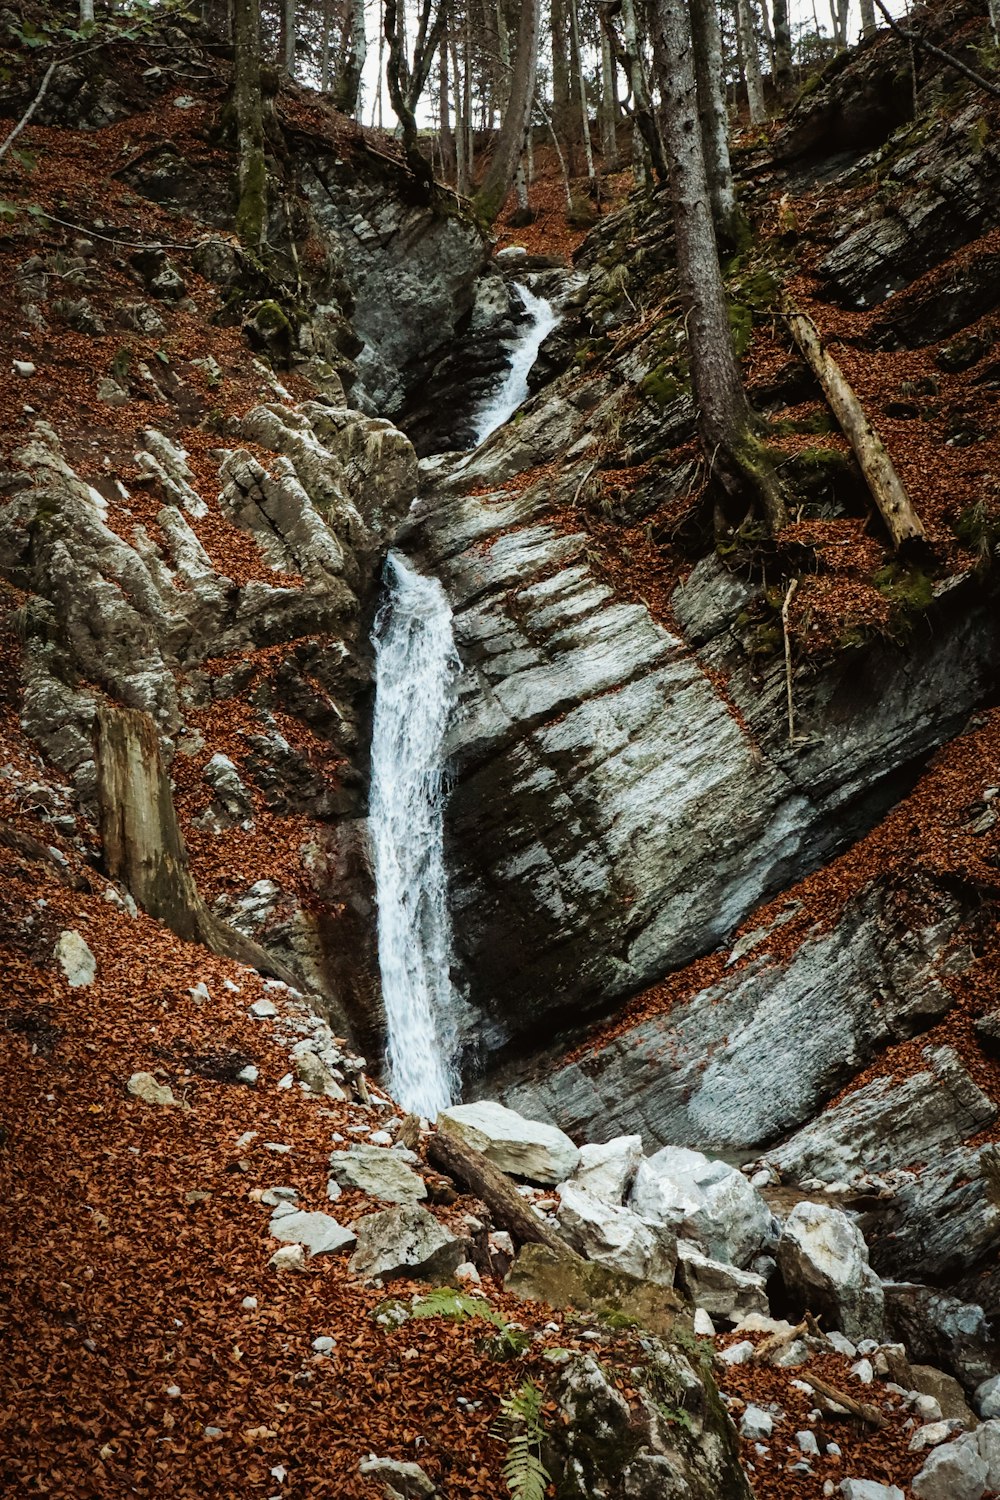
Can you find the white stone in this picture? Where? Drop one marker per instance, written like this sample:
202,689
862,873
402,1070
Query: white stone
756,1423
523,1148
467,1272
868,1489
23,367
147,1088
863,1371
927,1408
703,1325
931,1435
616,1237
249,1304
606,1171
261,1010
75,959
988,1443
324,1344
823,1260
289,1258
405,1241
738,1354
954,1471
249,1074
713,1203
807,1443
380,1173
319,1233
721,1288
841,1344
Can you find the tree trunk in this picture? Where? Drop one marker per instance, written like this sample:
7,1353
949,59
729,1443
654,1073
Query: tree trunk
143,847
706,35
517,116
768,34
868,16
444,113
642,107
510,1211
838,15
887,489
324,47
251,214
574,18
86,12
288,36
783,48
751,63
561,94
461,130
738,463
347,88
609,102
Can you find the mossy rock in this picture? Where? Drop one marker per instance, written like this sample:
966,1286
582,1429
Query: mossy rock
565,1280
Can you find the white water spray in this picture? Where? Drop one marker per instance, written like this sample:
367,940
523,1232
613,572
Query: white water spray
415,664
504,401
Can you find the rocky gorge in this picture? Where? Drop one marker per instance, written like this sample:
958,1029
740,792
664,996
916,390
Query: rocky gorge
721,858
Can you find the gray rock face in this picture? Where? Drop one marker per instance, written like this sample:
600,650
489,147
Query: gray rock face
411,270
607,1171
595,762
710,1202
941,1329
818,1016
379,1172
823,1260
953,1472
406,1241
889,1124
987,1398
524,1148
721,1289
870,1489
943,1220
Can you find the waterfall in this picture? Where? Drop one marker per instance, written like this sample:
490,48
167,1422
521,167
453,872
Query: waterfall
505,400
415,666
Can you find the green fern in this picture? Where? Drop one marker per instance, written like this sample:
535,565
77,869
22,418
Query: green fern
508,1342
519,1424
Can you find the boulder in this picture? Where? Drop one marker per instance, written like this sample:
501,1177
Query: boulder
712,1203
945,1390
721,1289
401,1480
823,1260
617,1237
319,1233
939,1328
954,1471
869,1489
564,1280
988,1443
607,1171
75,959
942,1220
378,1171
987,1398
406,1241
523,1148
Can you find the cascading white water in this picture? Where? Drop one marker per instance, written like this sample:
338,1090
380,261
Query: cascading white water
505,400
415,667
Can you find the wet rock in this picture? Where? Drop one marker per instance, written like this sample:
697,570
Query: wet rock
823,1260
378,1171
405,1241
523,1148
711,1203
74,957
616,1237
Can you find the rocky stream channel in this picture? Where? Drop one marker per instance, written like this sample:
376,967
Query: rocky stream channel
486,798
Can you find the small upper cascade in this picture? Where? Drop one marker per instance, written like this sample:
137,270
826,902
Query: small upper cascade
415,667
501,405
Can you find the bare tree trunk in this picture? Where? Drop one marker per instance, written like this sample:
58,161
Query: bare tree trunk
406,83
324,75
143,846
561,109
517,116
737,461
475,1172
994,19
347,88
444,113
706,35
251,214
838,15
783,48
751,63
609,111
86,12
887,489
868,16
288,18
461,130
574,20
765,26
642,107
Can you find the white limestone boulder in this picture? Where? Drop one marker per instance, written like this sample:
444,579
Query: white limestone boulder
319,1233
823,1260
712,1203
406,1241
378,1171
955,1471
722,1290
616,1237
607,1171
523,1148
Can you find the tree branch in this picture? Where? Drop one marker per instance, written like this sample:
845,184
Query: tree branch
916,40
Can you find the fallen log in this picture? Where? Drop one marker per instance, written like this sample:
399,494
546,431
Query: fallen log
143,847
870,1415
510,1211
887,489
